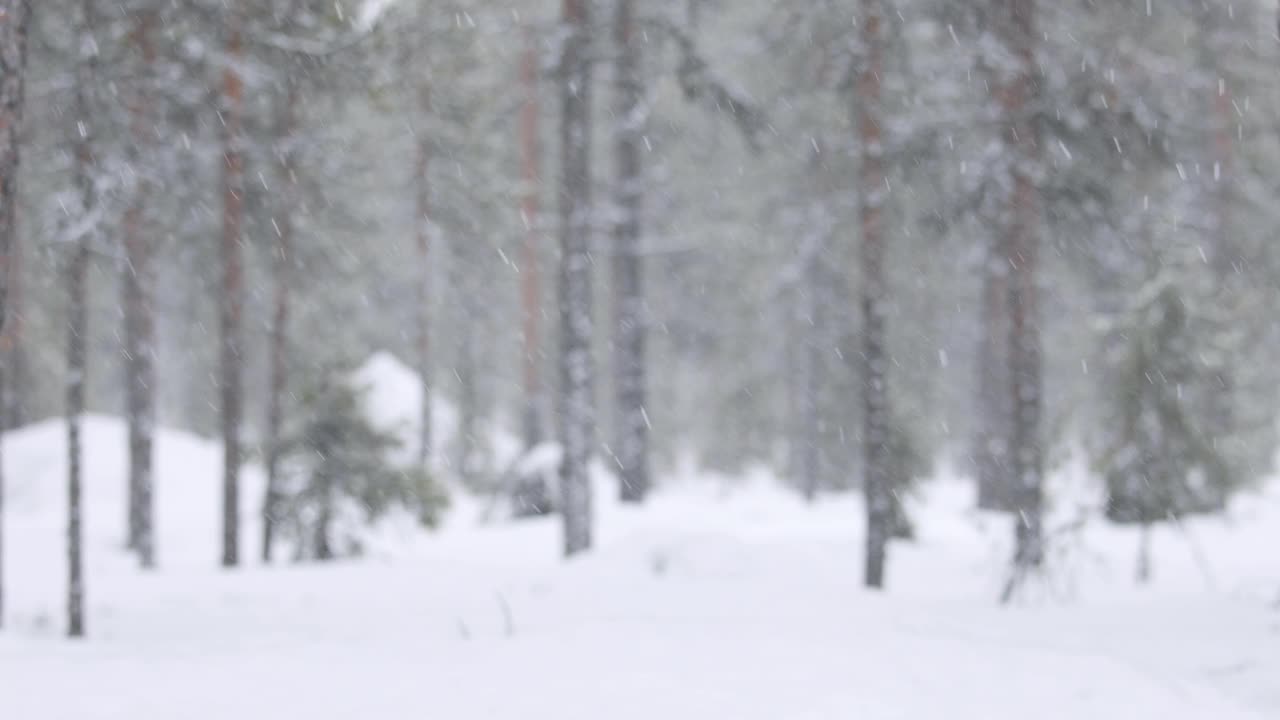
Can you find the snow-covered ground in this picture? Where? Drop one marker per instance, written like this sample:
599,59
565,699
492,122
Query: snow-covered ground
723,598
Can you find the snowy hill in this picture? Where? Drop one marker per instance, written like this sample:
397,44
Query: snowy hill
722,598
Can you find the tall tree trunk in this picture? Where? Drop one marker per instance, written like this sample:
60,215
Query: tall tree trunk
422,228
139,320
1013,93
630,323
993,409
13,65
7,389
873,193
576,366
16,15
324,488
75,411
13,356
463,267
3,428
1222,251
1143,571
808,422
809,385
281,262
78,325
530,271
10,378
788,327
1223,257
231,302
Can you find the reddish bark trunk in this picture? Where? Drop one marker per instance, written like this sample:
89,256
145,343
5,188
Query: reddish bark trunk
1014,94
281,263
231,303
873,194
15,15
139,319
577,406
530,270
13,61
632,426
422,232
78,322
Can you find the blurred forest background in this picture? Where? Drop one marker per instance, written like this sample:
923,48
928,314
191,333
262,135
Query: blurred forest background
842,239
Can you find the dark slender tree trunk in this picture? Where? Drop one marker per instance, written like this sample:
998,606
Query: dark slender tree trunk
1013,93
3,428
793,362
993,410
13,64
467,364
1222,251
281,262
422,227
630,322
530,268
231,302
531,496
1223,258
873,193
139,321
9,379
75,412
576,366
809,373
324,520
78,323
1143,573
12,351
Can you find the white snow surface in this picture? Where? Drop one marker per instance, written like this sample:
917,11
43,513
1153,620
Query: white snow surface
721,598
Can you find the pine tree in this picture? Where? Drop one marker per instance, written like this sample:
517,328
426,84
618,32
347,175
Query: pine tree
13,65
466,269
993,411
82,140
872,194
4,427
630,322
810,319
337,464
531,496
422,236
282,259
1213,44
15,382
1161,464
231,299
577,423
1013,90
530,267
76,369
138,304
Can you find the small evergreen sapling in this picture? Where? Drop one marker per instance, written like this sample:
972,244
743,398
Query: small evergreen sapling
1160,464
341,477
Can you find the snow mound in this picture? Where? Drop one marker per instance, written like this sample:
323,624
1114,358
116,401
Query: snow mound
393,402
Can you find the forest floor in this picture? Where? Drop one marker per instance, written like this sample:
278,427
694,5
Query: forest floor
721,598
